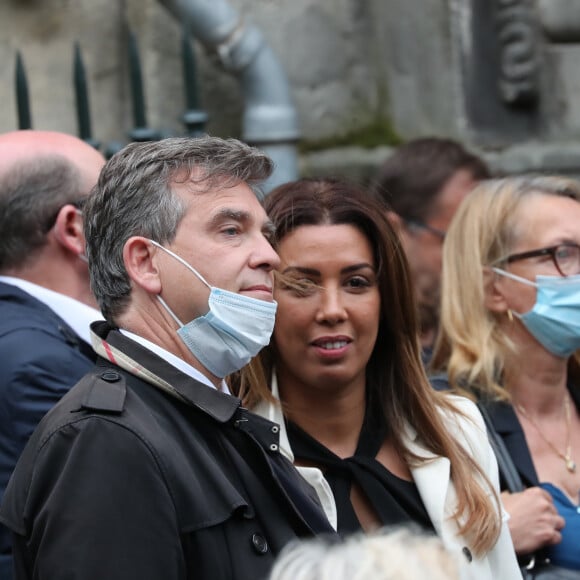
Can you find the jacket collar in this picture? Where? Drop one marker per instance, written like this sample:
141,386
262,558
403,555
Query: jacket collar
508,427
432,476
120,350
14,295
272,411
9,292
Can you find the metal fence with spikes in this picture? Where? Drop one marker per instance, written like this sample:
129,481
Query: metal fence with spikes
193,118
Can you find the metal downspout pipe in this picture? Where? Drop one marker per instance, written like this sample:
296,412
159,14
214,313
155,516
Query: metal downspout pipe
270,120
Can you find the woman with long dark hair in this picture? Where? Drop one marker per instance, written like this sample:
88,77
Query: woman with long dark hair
343,377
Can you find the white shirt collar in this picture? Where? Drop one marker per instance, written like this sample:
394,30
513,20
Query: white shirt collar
173,360
76,314
314,476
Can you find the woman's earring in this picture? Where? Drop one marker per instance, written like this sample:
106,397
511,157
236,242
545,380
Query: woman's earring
510,315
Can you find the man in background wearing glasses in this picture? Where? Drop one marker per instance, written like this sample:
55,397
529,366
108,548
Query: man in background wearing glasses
46,304
423,182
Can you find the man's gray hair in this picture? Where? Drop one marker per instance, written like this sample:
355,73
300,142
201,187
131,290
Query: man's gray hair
133,197
31,195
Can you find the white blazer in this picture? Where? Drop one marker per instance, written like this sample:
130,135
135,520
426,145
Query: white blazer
435,487
437,491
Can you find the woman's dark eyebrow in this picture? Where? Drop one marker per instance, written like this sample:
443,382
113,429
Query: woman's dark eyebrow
356,267
301,270
315,272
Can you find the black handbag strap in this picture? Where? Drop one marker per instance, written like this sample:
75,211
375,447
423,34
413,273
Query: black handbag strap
505,463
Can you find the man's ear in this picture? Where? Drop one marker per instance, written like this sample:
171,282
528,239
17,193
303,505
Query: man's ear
68,229
493,298
140,258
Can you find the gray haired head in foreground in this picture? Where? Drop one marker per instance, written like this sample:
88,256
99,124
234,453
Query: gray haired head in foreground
391,554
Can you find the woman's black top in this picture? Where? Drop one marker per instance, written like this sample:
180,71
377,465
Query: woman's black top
394,500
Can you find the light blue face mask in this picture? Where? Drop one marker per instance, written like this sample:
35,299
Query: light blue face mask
233,331
555,318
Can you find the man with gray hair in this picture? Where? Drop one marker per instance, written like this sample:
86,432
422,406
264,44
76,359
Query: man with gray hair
46,304
149,468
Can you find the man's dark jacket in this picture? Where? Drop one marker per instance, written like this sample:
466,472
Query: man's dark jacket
41,358
125,480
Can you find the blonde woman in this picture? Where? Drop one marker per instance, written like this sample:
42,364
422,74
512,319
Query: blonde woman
510,328
343,378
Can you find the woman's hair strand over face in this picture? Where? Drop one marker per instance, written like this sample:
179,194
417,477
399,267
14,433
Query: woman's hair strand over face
333,202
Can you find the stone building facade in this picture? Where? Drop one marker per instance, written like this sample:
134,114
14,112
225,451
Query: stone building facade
500,75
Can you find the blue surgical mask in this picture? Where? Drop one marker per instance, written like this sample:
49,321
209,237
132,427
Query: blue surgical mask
233,331
555,318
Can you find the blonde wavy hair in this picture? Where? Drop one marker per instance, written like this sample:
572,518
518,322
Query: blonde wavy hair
470,346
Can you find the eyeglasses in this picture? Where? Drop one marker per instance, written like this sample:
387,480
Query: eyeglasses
566,257
423,226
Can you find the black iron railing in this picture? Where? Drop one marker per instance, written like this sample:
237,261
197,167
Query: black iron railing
194,117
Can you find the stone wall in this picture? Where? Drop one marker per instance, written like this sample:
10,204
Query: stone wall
361,72
325,47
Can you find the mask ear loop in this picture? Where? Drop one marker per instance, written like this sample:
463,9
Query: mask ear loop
189,267
180,259
169,311
514,277
510,313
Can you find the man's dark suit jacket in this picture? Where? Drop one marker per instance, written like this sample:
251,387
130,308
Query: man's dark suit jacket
41,358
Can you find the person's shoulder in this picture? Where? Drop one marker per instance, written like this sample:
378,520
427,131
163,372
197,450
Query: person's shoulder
21,313
34,356
462,412
463,404
97,392
13,297
110,395
85,438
